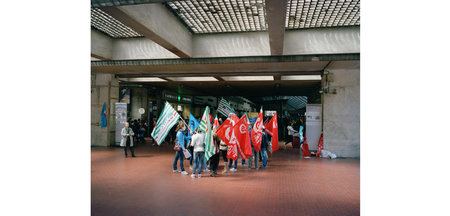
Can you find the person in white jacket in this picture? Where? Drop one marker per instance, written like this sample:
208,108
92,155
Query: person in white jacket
198,142
291,132
127,139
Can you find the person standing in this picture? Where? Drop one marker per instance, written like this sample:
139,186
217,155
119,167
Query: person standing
264,144
216,157
181,140
255,155
223,150
198,142
127,139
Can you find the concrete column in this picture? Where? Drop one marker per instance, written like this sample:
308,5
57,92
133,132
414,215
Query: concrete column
104,88
341,120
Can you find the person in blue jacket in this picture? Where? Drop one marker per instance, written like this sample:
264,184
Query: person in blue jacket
182,139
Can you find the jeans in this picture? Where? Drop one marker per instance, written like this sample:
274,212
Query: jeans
198,161
264,156
178,155
231,162
243,161
255,156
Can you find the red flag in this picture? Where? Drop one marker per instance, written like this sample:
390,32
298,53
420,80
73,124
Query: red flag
224,133
320,145
216,122
211,117
272,130
241,138
305,149
257,131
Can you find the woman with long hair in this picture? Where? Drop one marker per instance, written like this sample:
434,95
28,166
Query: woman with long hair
181,140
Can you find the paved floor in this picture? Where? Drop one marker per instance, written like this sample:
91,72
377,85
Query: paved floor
145,185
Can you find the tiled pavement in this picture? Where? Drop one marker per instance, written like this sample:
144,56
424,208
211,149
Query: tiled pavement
145,185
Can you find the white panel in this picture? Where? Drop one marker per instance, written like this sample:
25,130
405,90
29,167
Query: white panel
313,125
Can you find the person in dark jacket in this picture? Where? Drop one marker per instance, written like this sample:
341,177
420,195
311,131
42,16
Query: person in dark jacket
264,144
216,157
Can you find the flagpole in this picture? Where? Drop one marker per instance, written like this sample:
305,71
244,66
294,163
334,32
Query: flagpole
186,124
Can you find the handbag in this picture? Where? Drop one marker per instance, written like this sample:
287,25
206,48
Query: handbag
177,147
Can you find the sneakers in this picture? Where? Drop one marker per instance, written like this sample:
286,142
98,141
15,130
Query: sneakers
184,173
193,175
206,170
244,164
233,169
199,175
176,171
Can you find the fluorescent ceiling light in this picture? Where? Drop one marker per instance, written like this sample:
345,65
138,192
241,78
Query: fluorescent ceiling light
144,79
190,79
248,78
301,77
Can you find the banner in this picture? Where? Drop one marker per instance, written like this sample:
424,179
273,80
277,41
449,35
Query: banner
193,123
320,145
216,122
257,131
225,108
305,149
121,119
241,138
224,133
168,118
209,141
103,115
272,130
204,121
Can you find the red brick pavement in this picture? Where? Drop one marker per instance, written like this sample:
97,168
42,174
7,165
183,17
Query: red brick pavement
145,185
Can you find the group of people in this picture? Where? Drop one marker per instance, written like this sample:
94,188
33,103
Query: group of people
195,144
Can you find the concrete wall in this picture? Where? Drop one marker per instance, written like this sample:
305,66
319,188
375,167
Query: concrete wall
231,44
341,114
139,48
104,88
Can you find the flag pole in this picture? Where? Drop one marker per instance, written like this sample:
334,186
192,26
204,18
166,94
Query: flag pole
186,124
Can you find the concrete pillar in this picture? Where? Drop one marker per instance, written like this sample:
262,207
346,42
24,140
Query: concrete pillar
341,113
104,88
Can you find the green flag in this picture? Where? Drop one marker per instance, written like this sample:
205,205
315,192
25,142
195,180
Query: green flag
204,121
166,121
209,141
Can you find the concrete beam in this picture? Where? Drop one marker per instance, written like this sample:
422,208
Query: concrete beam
322,41
100,46
231,44
222,66
276,18
139,48
156,23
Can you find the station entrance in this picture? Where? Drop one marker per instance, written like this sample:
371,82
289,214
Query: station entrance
288,97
